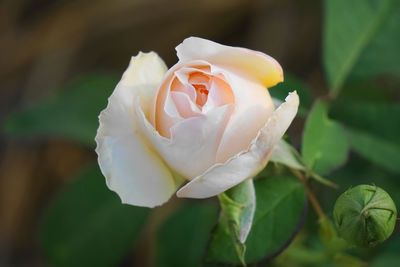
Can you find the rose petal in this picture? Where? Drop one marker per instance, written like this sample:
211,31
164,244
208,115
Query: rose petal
220,93
132,169
185,105
265,68
177,86
193,144
244,165
145,72
166,112
253,106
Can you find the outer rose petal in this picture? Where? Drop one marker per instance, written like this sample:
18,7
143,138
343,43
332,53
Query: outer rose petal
253,106
265,68
145,72
132,169
244,165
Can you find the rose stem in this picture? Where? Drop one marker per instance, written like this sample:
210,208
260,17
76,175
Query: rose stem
311,196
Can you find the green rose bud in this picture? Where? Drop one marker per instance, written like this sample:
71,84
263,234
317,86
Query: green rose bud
365,215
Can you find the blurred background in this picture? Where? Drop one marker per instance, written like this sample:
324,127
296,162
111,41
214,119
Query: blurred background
61,59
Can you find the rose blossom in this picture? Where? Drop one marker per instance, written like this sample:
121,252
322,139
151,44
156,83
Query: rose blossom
208,121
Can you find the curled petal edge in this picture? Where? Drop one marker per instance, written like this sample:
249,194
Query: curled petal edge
245,164
264,67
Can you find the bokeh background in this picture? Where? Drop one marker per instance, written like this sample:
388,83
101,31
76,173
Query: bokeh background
50,48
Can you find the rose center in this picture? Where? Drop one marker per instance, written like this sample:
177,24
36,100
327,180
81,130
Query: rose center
201,94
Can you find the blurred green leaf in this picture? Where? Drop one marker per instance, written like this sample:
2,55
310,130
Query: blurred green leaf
72,114
359,33
300,255
236,218
325,144
287,155
386,260
284,154
378,119
88,226
355,91
347,260
379,151
280,203
182,240
373,130
382,56
327,231
388,253
290,84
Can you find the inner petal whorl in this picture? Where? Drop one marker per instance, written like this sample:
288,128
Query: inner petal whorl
190,91
201,94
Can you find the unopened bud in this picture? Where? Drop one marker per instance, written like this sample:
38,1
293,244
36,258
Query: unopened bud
365,215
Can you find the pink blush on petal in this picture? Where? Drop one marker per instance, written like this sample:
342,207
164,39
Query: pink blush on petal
185,106
220,93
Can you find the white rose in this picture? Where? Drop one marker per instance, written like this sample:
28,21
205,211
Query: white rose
208,121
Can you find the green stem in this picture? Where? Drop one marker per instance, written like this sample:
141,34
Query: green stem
311,196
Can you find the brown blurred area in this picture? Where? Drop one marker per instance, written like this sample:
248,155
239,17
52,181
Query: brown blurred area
44,44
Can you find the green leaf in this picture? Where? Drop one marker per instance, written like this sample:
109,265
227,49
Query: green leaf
88,226
389,253
347,260
386,260
373,131
244,197
374,118
379,56
355,91
350,26
280,204
324,145
236,218
291,84
379,151
182,239
285,154
72,114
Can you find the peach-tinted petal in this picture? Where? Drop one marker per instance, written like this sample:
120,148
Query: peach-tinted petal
198,78
185,106
248,163
193,144
220,93
177,86
131,167
166,114
253,106
263,67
